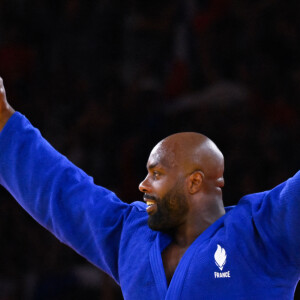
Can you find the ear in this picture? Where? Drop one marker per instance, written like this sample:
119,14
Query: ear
195,181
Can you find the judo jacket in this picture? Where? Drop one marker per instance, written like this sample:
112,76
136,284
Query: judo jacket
252,252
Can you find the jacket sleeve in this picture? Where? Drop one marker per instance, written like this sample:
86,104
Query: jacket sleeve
60,196
277,218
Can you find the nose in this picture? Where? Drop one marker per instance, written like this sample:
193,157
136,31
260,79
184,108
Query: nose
144,186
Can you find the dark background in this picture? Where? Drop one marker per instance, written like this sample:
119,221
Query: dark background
105,80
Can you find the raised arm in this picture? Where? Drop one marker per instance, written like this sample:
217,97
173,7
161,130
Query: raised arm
276,216
60,196
6,111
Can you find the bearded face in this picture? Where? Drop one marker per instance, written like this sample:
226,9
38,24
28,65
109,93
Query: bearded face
171,209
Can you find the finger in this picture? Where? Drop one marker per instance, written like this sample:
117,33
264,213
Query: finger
2,91
6,111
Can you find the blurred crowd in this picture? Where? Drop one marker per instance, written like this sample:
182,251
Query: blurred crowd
105,80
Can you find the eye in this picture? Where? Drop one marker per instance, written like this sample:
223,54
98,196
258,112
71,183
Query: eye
156,174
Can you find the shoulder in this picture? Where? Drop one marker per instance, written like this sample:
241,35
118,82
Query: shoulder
139,206
138,215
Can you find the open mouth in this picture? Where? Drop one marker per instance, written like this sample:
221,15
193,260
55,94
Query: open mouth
151,206
150,202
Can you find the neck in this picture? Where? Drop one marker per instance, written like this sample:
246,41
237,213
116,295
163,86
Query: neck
198,220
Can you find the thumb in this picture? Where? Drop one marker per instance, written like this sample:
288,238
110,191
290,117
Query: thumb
3,101
6,110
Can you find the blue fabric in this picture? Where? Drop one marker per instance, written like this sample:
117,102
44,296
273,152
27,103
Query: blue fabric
252,252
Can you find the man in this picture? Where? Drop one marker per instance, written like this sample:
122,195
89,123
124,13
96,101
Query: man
181,244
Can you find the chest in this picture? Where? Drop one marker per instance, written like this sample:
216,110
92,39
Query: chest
209,269
171,257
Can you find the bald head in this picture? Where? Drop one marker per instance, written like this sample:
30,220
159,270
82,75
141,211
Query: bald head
183,184
191,151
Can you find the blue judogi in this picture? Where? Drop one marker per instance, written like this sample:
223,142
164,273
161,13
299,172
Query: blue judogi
252,252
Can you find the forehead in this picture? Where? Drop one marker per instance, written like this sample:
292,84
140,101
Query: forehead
162,154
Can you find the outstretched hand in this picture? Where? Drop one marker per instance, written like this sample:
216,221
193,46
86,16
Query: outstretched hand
6,110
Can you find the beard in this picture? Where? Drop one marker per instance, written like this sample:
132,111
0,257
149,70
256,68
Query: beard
171,210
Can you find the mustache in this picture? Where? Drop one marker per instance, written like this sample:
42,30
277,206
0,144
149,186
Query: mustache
150,197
